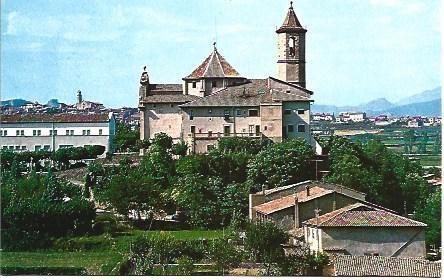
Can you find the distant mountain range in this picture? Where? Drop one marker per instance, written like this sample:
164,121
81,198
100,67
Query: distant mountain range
427,103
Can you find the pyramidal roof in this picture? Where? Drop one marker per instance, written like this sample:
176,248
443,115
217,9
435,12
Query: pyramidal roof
291,22
214,66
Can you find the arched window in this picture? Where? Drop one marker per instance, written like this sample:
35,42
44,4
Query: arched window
292,45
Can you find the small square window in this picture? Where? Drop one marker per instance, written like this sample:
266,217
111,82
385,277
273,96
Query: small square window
214,84
287,112
265,127
84,132
301,111
67,132
23,148
88,132
290,128
100,131
34,132
37,148
72,132
50,133
39,132
238,112
17,133
193,129
194,85
301,128
253,113
17,147
171,105
46,147
210,133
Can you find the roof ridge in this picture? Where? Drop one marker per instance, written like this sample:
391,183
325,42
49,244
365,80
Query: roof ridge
339,212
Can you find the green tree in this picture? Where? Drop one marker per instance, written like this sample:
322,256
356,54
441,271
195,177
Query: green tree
223,254
263,241
126,138
429,212
280,164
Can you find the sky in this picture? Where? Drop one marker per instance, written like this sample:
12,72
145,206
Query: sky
357,50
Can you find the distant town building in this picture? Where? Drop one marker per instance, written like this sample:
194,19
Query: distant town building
87,105
33,132
327,117
352,117
215,101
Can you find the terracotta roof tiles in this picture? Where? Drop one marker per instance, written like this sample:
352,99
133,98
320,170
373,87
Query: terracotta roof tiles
57,118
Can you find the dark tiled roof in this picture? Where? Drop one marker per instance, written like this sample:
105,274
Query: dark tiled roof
57,118
291,22
252,93
214,66
360,215
358,266
168,98
165,87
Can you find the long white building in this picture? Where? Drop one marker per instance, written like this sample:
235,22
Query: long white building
33,132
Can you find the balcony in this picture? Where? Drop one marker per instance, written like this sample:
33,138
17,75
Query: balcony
217,135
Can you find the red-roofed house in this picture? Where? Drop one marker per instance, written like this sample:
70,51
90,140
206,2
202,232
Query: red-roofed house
361,229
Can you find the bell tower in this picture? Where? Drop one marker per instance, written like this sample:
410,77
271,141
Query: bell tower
291,50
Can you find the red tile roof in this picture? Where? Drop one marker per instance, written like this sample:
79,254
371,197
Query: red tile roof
214,66
359,266
288,201
360,215
57,118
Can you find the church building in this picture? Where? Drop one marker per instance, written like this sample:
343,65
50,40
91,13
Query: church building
216,101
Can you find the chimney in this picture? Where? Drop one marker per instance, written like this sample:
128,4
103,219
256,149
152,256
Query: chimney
307,189
296,212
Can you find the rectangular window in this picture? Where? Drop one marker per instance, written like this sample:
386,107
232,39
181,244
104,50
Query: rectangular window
46,147
17,147
214,84
210,133
5,133
11,147
301,127
290,128
251,130
37,147
191,115
39,132
23,148
1,132
194,84
258,130
227,130
210,111
301,111
100,131
84,132
50,132
88,132
238,112
253,113
34,132
17,133
67,132
287,112
22,133
5,147
193,129
72,132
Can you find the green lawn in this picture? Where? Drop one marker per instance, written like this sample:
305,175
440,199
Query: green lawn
98,260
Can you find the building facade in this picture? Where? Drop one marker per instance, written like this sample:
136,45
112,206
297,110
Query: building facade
215,101
360,229
33,132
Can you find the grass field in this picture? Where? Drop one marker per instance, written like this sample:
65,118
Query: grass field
97,261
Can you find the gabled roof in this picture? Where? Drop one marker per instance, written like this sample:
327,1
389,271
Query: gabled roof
289,200
359,266
361,215
56,118
251,93
214,66
291,22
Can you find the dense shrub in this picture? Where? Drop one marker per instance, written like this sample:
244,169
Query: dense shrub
42,270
